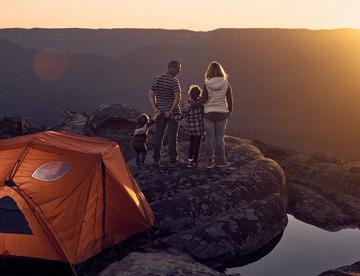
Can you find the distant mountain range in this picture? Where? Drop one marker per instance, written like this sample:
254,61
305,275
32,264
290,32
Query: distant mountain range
292,87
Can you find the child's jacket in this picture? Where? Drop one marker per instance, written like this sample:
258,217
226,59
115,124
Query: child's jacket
194,121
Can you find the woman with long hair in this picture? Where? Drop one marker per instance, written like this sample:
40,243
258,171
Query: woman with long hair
218,105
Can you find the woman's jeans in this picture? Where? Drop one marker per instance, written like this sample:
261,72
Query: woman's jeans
215,143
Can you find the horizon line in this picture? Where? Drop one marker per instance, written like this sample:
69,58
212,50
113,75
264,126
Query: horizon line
180,29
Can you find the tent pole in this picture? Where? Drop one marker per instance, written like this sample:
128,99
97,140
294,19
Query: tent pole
43,224
42,221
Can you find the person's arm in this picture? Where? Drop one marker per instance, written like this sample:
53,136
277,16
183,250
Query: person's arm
174,105
176,102
150,123
152,120
177,92
229,99
182,115
152,101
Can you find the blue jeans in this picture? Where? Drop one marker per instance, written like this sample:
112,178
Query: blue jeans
171,126
215,143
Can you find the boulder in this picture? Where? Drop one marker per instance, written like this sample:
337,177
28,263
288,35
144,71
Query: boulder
216,215
312,207
17,126
112,121
115,122
351,270
72,122
143,264
323,190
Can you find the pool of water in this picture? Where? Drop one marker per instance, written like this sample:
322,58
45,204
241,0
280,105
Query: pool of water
305,250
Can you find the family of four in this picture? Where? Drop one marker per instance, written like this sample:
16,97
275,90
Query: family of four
207,112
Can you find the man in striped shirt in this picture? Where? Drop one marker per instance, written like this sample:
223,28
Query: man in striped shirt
164,95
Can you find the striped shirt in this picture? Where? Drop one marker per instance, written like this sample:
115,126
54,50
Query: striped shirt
165,87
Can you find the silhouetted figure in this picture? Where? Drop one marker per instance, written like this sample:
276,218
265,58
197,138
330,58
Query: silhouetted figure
194,125
164,95
140,137
217,101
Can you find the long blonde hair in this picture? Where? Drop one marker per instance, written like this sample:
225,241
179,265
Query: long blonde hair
215,70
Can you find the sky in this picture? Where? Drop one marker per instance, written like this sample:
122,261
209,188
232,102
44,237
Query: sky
198,15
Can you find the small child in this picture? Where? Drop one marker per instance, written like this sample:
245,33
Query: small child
140,137
194,125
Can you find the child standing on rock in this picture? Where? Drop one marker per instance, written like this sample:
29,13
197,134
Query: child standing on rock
194,125
140,137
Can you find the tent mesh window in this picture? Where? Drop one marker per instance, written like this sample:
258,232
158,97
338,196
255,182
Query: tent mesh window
51,171
12,220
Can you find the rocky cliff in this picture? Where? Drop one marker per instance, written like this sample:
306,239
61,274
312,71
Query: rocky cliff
323,190
211,216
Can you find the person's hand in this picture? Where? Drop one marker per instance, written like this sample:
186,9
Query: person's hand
156,116
157,112
186,106
168,114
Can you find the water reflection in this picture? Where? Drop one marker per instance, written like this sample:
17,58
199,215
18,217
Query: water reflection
255,256
304,250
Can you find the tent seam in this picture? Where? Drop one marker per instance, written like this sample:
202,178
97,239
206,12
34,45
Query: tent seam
87,201
40,218
19,161
44,224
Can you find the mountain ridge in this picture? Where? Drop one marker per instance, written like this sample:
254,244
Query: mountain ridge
291,87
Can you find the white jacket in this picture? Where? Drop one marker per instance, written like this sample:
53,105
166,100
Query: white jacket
216,88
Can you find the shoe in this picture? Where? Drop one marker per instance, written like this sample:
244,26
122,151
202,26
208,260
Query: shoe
190,163
223,164
210,164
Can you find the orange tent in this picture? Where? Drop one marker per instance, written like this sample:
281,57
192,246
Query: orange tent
66,197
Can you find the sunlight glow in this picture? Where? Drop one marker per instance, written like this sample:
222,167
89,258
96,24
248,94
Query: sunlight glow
186,14
50,64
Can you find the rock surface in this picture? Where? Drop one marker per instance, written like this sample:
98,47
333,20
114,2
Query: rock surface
72,122
211,215
351,270
144,264
322,189
111,121
15,126
215,215
219,214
